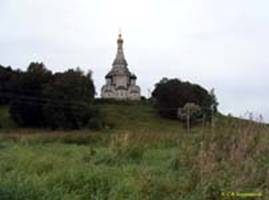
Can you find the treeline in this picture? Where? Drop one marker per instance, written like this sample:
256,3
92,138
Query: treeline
39,98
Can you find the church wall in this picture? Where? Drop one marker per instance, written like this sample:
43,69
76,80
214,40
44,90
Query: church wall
121,81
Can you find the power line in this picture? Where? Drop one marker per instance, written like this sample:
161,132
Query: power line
63,102
41,99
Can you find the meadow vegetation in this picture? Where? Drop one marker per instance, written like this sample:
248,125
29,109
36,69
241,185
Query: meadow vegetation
138,155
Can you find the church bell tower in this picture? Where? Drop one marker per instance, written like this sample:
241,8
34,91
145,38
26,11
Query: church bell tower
120,82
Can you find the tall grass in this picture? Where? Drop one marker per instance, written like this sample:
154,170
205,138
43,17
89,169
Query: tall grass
136,164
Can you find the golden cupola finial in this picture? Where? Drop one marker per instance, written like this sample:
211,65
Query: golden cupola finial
120,40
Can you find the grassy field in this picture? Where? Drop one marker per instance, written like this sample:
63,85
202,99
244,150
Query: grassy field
138,156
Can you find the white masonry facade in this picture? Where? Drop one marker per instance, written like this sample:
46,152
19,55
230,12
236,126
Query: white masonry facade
120,82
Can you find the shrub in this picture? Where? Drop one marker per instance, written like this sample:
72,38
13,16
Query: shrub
7,80
70,97
27,101
95,123
39,98
171,94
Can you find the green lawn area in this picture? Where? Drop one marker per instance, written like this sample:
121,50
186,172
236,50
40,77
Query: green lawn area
142,157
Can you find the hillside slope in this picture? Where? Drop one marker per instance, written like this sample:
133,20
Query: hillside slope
134,117
137,116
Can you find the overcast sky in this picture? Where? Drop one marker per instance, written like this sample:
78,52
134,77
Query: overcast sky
218,44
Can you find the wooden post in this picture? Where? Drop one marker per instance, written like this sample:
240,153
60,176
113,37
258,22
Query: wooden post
188,121
212,118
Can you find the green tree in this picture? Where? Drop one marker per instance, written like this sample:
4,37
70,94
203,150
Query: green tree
189,112
171,94
27,101
8,78
70,104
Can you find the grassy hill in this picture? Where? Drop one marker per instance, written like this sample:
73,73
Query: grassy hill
138,116
142,157
121,116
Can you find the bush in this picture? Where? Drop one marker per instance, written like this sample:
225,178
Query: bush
171,94
95,123
58,101
7,80
71,100
26,106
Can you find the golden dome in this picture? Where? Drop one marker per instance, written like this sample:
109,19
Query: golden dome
120,40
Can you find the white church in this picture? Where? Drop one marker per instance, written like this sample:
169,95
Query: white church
120,82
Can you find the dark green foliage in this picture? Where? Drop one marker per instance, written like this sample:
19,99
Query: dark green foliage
26,106
95,123
171,94
38,98
8,78
70,97
143,98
